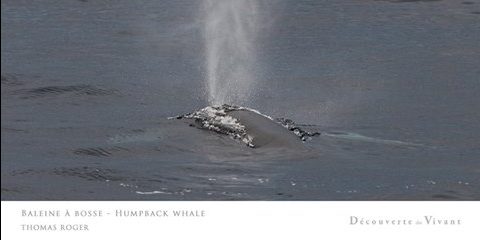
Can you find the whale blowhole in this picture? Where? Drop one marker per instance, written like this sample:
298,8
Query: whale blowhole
248,125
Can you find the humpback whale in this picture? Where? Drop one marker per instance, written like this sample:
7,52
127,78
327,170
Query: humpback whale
248,125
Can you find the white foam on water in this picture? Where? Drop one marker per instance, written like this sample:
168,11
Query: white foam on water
153,192
358,137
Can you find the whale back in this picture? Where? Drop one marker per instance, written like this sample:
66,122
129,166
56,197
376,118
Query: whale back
264,131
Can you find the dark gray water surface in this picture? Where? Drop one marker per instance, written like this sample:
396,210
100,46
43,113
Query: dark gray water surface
393,85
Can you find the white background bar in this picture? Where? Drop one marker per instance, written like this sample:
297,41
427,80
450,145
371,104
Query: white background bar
242,220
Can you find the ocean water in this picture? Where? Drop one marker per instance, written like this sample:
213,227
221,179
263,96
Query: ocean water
88,87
